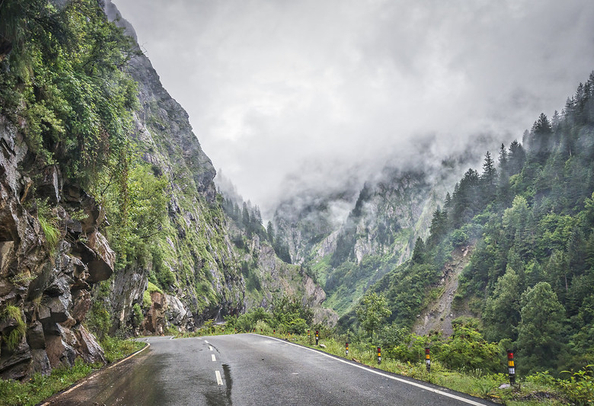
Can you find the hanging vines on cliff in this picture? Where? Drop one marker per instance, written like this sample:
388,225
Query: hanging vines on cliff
62,81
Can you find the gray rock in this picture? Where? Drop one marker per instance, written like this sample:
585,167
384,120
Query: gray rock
35,336
15,364
40,362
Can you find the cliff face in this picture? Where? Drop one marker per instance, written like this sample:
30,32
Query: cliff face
378,234
203,267
59,277
49,261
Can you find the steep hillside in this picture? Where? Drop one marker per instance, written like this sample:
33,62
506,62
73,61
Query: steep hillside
378,234
530,276
109,218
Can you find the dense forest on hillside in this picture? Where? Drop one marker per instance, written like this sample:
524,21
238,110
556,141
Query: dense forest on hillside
529,219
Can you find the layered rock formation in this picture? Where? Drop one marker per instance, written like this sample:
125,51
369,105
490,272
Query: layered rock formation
49,261
58,273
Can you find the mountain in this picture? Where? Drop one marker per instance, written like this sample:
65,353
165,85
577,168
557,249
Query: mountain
110,222
512,247
351,239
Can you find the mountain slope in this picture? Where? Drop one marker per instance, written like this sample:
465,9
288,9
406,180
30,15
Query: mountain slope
109,218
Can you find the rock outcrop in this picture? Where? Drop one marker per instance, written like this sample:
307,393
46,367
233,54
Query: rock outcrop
57,269
49,261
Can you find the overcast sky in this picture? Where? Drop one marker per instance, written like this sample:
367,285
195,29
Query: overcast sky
304,90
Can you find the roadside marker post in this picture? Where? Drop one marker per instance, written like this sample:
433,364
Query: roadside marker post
428,359
347,349
511,367
317,337
379,355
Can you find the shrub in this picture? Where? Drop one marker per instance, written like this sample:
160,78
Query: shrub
579,388
18,331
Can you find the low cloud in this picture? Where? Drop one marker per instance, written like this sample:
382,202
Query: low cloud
290,97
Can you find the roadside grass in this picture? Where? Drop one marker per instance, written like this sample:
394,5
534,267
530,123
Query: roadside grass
38,388
528,392
116,348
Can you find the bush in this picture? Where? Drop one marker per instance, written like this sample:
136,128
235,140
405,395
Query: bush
579,388
459,238
20,327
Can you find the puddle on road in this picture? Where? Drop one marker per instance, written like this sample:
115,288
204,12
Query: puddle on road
218,397
228,380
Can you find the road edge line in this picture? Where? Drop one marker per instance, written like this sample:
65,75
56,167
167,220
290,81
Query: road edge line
382,373
86,378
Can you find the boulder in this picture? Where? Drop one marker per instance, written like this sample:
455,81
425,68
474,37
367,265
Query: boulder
15,364
102,266
40,362
35,336
88,347
54,308
82,304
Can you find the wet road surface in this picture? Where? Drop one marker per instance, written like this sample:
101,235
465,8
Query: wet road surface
248,369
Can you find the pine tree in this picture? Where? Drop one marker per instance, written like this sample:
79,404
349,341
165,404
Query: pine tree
540,329
502,310
541,138
270,232
488,180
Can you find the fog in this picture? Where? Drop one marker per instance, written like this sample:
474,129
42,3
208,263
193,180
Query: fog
292,97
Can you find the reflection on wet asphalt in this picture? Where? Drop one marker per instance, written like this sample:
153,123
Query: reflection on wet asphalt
130,383
170,372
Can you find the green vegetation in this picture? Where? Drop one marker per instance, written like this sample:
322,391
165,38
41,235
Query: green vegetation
48,222
146,297
530,219
371,312
98,319
41,387
117,348
13,315
64,79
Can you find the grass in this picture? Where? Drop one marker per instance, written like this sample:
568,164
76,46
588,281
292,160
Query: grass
146,297
474,383
116,348
17,333
47,221
38,388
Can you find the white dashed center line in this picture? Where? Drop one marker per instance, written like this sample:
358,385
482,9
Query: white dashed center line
219,379
213,357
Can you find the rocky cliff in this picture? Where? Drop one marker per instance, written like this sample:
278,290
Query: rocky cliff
65,266
49,261
384,220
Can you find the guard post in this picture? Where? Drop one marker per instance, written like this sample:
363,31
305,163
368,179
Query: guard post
379,355
428,359
347,349
511,367
317,337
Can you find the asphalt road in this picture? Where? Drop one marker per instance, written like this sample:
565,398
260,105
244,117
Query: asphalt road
248,369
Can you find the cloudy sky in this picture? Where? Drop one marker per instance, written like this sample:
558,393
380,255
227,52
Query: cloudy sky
285,94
